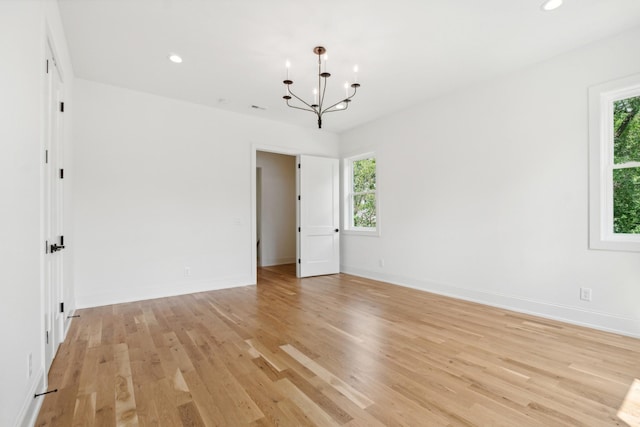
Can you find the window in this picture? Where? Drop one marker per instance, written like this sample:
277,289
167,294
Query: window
362,199
615,165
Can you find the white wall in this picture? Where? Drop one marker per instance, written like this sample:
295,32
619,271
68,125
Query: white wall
484,194
161,185
24,26
278,240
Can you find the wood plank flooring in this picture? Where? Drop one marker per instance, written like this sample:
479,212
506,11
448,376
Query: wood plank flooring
336,351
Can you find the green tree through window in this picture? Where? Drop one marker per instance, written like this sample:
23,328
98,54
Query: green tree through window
626,172
363,193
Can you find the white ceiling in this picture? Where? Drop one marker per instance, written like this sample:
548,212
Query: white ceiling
407,51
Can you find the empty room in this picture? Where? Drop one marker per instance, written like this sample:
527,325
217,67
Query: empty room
338,213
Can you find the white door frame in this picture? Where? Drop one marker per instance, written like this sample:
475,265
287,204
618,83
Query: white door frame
254,149
259,215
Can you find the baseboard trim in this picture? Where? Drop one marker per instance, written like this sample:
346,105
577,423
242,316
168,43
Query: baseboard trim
109,297
578,316
31,406
67,323
277,261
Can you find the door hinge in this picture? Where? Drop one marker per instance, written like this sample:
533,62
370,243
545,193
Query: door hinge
47,66
47,336
61,240
298,165
61,173
298,197
46,246
299,229
299,261
46,156
62,107
61,307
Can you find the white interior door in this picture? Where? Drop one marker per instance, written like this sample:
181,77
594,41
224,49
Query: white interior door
318,216
58,197
53,196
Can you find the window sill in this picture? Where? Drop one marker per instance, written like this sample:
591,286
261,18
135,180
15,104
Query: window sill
622,243
369,233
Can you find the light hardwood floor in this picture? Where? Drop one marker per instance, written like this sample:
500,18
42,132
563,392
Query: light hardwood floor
335,350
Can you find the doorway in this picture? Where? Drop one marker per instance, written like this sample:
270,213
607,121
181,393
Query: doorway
275,209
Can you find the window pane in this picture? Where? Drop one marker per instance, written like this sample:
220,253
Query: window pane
626,201
364,210
626,130
364,175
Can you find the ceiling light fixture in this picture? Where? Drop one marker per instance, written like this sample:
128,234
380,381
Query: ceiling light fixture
317,107
551,5
175,58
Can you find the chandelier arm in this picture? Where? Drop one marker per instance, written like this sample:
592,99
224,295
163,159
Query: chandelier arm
301,100
328,109
323,92
300,108
355,90
336,110
320,97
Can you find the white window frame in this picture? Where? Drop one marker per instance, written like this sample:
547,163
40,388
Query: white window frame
601,164
348,226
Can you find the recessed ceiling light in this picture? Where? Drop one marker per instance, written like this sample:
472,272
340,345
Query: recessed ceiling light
551,5
175,58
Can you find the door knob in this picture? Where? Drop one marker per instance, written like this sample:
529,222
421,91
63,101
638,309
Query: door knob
56,248
336,230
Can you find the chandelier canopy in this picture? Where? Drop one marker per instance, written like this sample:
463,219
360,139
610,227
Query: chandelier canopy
318,105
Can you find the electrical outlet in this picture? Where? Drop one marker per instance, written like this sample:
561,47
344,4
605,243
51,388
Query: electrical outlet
585,294
30,364
187,271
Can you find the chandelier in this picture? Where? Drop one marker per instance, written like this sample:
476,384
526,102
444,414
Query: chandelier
318,105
